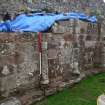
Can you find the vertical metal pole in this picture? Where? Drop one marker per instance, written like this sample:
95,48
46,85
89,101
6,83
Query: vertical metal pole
40,51
40,61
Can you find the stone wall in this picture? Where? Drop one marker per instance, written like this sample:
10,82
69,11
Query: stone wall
18,62
17,6
67,57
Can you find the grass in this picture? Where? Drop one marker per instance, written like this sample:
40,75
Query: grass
84,93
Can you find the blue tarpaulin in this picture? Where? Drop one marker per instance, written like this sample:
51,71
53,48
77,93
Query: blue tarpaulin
39,22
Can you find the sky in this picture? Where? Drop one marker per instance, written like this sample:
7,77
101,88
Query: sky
104,1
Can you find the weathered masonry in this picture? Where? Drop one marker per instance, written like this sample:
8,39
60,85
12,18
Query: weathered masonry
70,51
